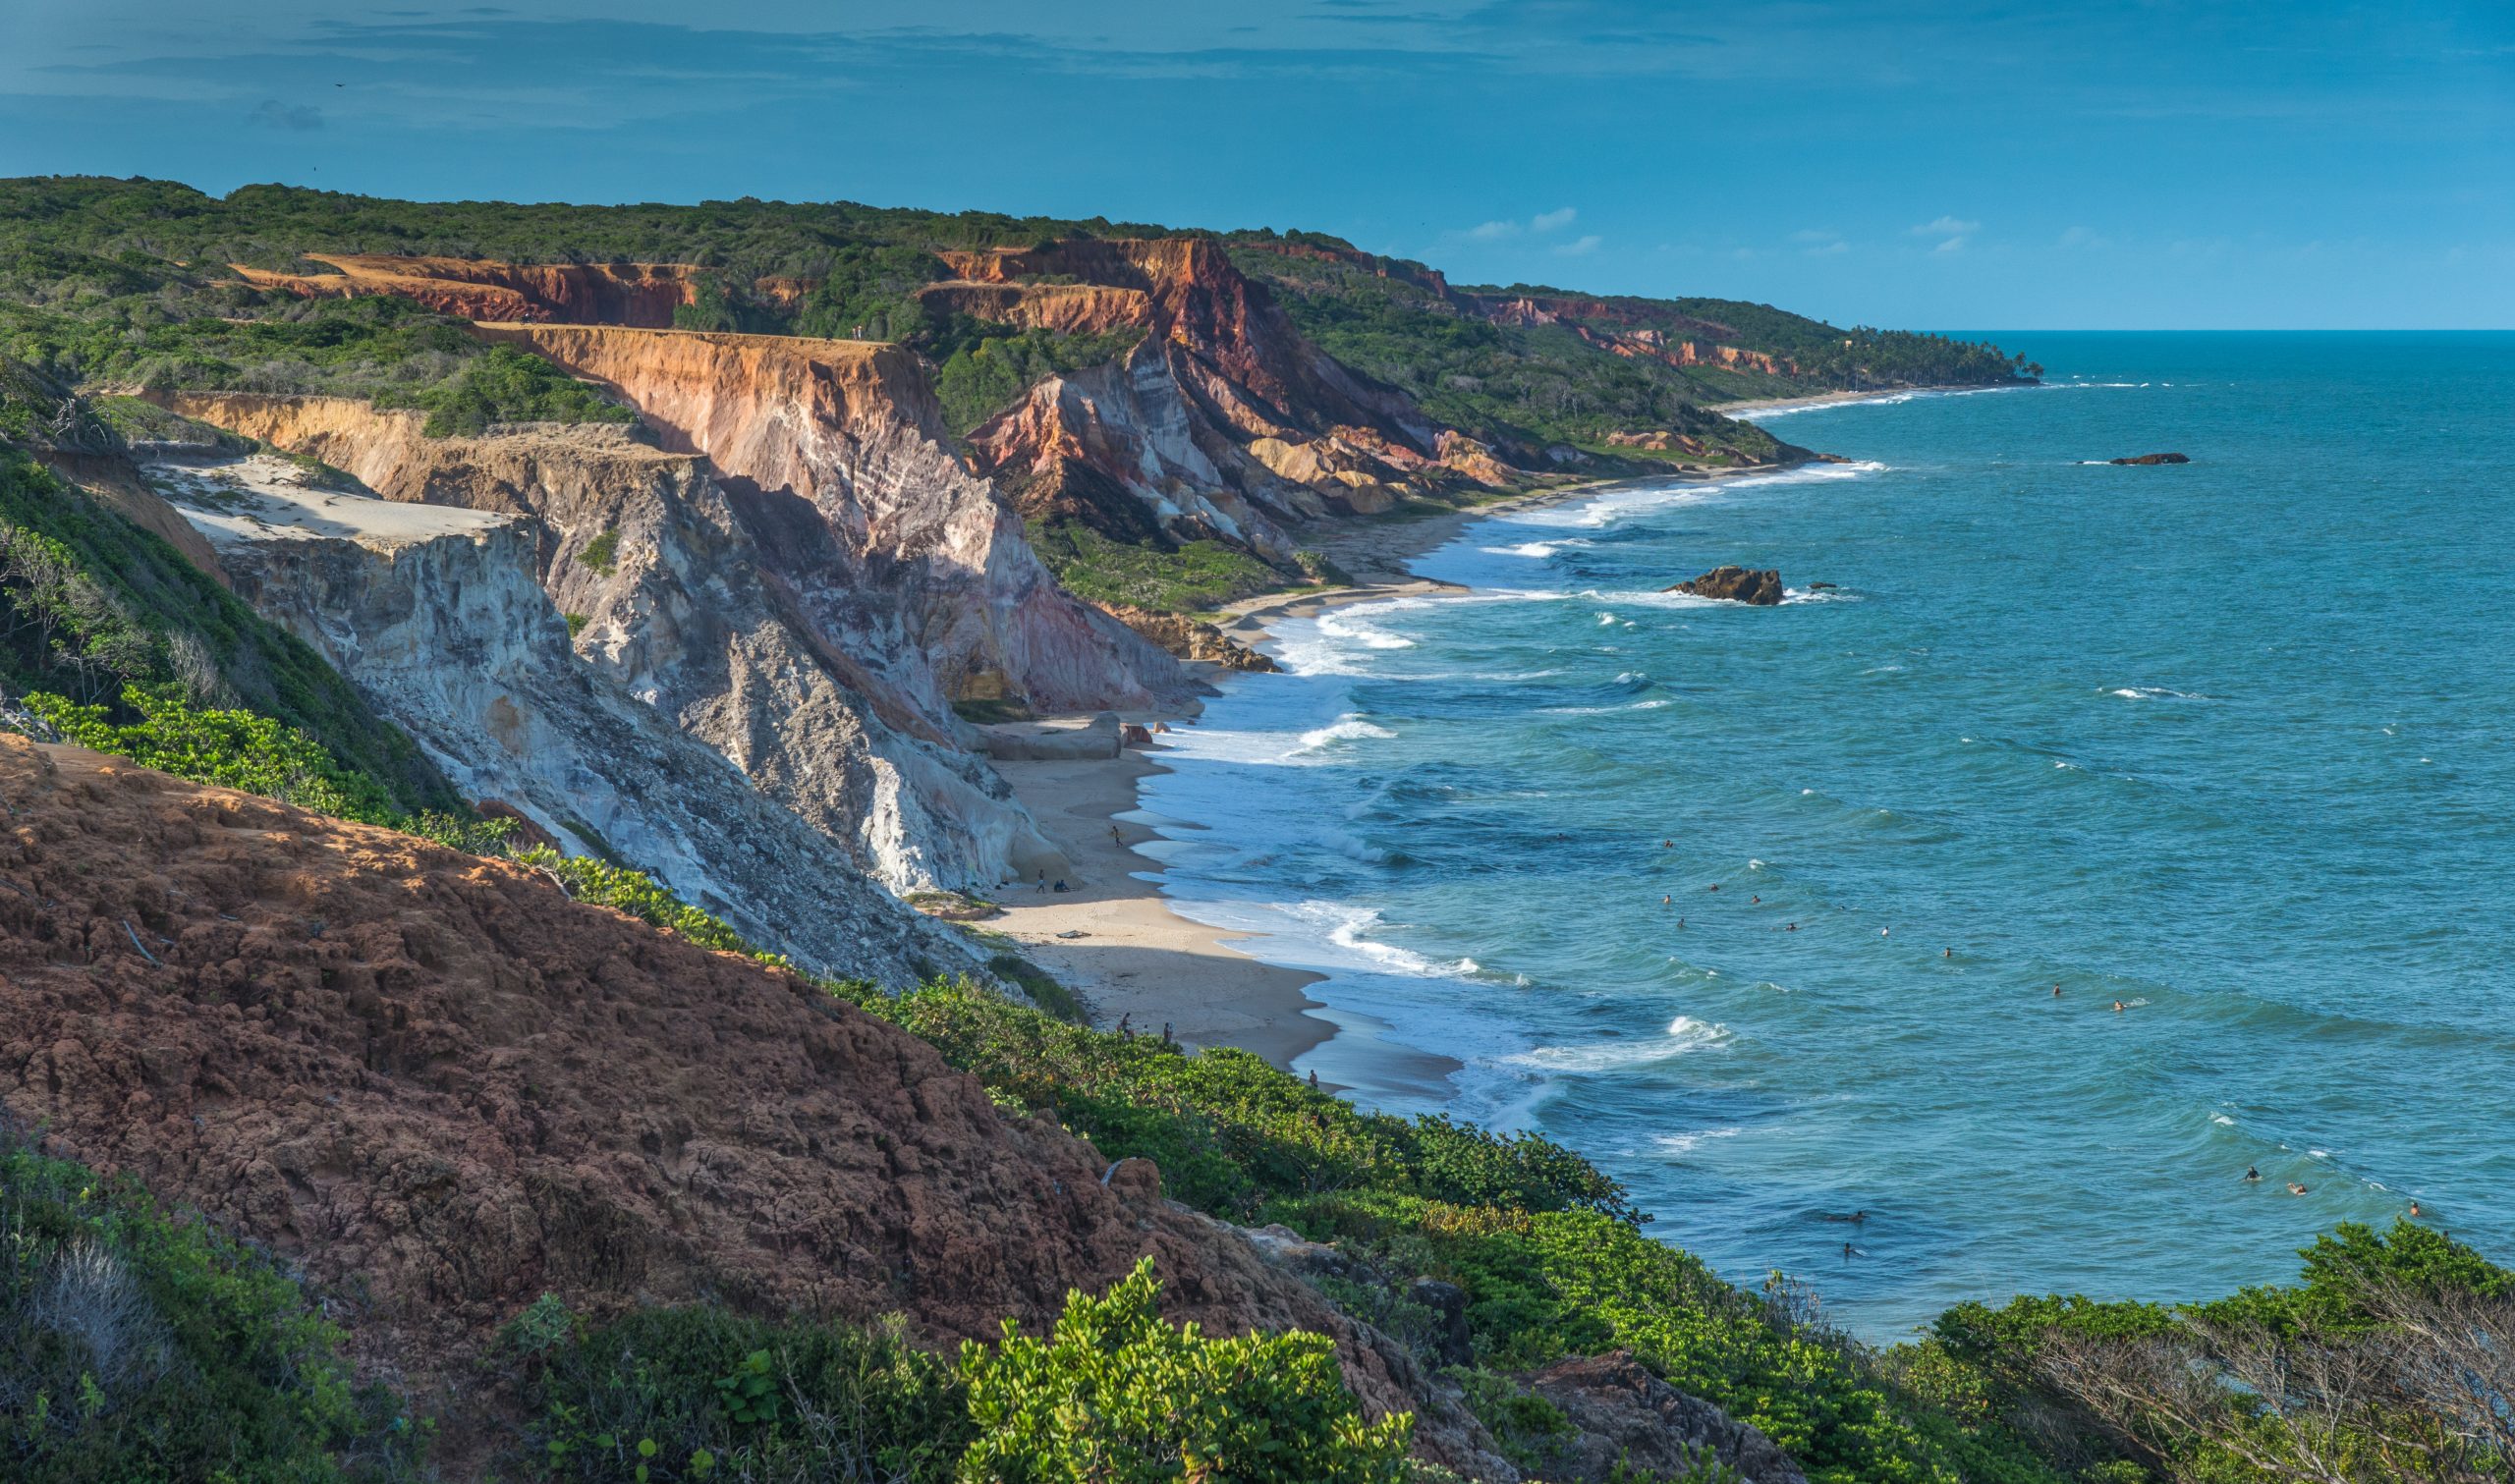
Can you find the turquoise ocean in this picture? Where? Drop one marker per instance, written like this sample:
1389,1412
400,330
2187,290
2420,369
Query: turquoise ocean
2227,742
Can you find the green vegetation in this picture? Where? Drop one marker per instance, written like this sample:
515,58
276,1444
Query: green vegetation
208,337
693,1393
2389,1362
94,610
1043,987
140,1345
503,384
1117,1396
984,367
251,752
1561,382
1114,1396
603,553
1195,577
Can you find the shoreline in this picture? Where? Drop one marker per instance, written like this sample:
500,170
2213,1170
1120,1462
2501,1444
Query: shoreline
1134,959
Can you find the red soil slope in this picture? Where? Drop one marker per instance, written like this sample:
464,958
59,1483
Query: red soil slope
444,1088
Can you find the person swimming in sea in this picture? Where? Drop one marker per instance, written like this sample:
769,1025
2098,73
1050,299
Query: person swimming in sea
1794,927
1666,900
2120,1007
1846,1249
2250,1173
1754,902
2414,1210
2057,991
2296,1189
1948,953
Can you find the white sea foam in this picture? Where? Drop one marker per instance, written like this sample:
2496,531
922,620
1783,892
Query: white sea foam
2222,1119
1685,1035
1687,1143
1346,728
1347,626
2155,694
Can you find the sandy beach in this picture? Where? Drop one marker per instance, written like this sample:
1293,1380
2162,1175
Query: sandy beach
1112,936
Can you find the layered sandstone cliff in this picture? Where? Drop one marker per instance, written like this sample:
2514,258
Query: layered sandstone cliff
1223,421
834,455
441,1088
438,617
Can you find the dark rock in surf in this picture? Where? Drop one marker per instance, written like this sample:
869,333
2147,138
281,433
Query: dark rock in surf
1735,584
2154,458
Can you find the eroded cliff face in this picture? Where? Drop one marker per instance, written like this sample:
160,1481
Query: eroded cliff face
1223,421
624,293
438,617
834,455
1625,330
681,607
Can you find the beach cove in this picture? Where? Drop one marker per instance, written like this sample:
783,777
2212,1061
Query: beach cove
2062,724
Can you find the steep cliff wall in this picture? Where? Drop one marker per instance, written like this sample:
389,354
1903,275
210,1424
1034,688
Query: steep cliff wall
680,606
1067,309
834,455
1223,421
438,617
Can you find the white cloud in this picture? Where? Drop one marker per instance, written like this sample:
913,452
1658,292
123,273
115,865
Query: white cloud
1547,221
1502,228
1951,232
1488,231
1581,247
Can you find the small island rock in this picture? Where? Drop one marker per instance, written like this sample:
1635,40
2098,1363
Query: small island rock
2156,458
1735,584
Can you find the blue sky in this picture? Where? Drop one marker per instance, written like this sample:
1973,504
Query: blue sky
1982,164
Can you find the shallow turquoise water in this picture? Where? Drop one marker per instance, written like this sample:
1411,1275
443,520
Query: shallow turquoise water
2226,743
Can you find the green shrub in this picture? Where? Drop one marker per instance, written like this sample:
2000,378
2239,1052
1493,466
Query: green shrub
603,553
1229,1132
138,1344
256,754
1044,991
688,1394
1195,578
1115,1396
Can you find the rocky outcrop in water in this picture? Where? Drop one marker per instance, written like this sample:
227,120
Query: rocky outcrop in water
437,616
1735,584
679,602
2154,459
